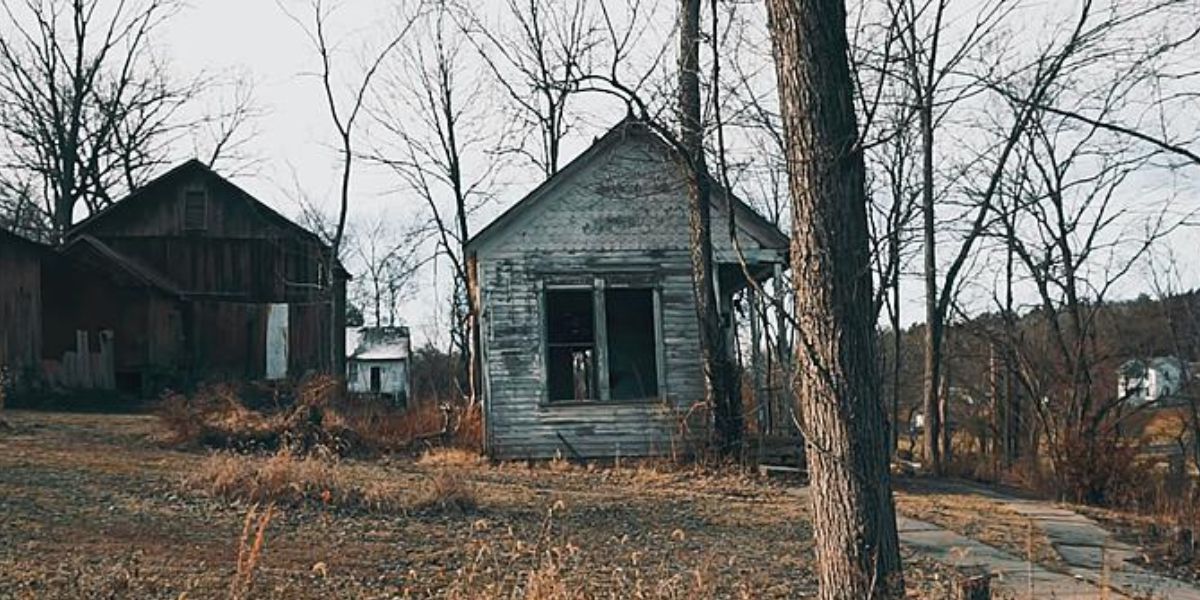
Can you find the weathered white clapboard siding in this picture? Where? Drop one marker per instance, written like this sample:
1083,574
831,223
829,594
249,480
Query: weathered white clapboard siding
617,214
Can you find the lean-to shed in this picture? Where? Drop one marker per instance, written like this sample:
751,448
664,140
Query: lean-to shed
21,264
589,338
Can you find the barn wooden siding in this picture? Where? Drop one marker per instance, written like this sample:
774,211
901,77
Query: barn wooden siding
20,307
618,215
227,274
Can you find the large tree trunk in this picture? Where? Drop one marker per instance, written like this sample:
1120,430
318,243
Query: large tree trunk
853,516
721,391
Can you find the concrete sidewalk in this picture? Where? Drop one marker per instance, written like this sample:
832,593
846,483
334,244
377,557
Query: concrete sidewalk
1085,547
1013,576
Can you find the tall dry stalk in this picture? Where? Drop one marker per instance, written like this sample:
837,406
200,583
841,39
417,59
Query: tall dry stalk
249,553
1029,555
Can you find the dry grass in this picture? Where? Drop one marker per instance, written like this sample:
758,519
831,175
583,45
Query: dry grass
447,492
287,480
549,569
93,509
457,457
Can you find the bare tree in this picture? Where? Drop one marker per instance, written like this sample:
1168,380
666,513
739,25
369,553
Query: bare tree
86,109
221,137
389,262
857,548
934,92
344,110
720,387
1076,240
427,145
548,45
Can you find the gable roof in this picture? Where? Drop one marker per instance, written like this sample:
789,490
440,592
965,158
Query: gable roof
763,230
192,167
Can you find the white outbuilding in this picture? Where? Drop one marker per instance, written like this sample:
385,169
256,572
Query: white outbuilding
378,362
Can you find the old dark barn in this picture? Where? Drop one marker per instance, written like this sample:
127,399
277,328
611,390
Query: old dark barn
187,279
589,335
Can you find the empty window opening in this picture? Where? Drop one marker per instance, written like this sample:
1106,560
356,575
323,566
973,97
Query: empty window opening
632,349
571,345
195,209
376,380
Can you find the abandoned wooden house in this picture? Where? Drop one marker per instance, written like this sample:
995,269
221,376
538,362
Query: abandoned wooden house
377,362
589,335
189,278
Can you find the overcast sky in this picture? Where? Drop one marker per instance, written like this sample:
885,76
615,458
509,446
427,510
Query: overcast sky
294,136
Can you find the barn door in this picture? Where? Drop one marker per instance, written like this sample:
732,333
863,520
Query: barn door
277,341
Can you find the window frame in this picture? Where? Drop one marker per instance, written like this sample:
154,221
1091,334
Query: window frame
185,196
598,286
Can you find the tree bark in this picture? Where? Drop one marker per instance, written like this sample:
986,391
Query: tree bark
720,389
846,433
933,318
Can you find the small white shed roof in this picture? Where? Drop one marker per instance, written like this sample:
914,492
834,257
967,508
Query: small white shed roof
378,343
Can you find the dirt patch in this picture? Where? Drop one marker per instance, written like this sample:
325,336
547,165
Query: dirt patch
94,506
100,506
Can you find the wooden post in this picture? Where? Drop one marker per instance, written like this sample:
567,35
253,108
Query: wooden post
763,416
1185,545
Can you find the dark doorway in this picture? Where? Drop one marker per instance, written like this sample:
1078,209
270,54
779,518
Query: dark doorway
376,380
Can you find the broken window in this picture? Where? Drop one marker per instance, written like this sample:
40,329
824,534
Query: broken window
571,345
632,349
628,342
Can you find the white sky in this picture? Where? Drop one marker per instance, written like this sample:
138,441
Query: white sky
294,135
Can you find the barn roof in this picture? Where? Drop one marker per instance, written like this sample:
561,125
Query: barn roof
9,237
765,232
145,193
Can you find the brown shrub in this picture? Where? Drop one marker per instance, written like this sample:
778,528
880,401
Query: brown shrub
309,416
1100,470
388,429
469,430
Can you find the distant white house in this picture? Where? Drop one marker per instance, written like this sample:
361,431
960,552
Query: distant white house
1142,382
378,362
